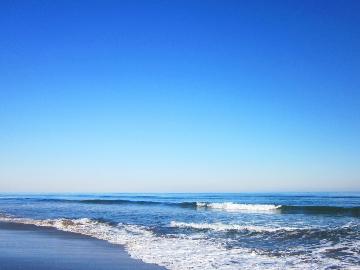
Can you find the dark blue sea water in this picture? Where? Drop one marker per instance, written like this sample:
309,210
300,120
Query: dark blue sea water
208,231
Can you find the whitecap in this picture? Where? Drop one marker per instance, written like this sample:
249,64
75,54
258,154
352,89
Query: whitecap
230,206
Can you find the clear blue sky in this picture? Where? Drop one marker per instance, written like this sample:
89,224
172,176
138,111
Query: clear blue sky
179,96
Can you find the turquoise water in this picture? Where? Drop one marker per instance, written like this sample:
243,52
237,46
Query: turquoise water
208,231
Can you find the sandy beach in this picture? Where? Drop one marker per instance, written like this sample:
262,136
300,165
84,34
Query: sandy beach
30,247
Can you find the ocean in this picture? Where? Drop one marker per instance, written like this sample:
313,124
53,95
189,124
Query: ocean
207,230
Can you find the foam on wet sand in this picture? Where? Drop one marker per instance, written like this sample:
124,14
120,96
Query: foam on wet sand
24,246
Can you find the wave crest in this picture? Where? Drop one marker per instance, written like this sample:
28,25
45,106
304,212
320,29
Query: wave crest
230,206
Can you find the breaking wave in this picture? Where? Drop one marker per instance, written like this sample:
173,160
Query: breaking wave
225,206
230,206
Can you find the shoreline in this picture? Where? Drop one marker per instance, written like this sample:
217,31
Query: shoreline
25,246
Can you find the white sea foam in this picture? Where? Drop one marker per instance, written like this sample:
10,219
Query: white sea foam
230,206
228,227
174,252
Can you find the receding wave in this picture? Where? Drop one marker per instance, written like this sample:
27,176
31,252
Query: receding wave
175,253
228,227
303,232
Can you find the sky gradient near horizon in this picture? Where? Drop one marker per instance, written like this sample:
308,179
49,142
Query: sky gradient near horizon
179,96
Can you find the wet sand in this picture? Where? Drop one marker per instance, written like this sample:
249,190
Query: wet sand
39,248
